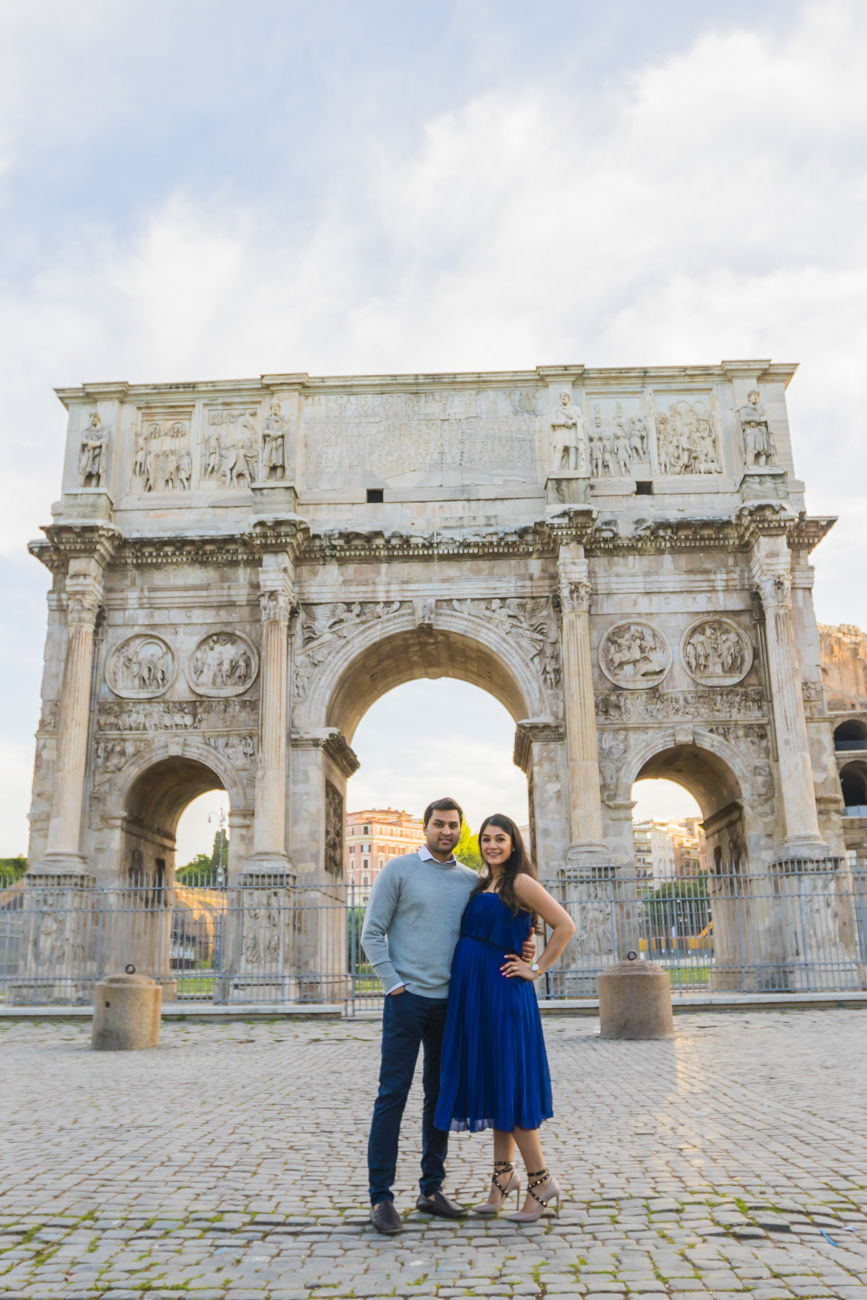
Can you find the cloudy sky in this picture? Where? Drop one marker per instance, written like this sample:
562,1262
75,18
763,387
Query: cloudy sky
220,189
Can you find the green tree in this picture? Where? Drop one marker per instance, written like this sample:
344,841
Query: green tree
198,871
467,850
207,869
679,904
12,869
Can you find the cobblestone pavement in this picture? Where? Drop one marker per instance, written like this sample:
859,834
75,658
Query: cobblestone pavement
230,1163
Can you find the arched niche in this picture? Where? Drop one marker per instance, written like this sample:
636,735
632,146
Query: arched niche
853,783
851,734
154,801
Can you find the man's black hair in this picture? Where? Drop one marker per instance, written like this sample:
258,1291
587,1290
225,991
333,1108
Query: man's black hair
443,805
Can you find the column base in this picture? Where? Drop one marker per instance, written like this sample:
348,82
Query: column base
588,853
801,847
274,497
764,482
57,866
267,871
566,488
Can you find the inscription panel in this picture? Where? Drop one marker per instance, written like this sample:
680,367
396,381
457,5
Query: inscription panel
421,439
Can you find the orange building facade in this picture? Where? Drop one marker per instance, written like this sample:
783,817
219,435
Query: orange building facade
373,837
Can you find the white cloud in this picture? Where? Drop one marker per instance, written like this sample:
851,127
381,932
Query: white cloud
708,204
16,773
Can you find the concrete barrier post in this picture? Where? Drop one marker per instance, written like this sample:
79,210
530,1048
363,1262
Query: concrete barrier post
126,1013
635,1001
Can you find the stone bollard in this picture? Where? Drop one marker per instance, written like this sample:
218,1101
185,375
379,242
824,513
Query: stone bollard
126,1013
635,1001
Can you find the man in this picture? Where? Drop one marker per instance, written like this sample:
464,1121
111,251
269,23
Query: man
410,933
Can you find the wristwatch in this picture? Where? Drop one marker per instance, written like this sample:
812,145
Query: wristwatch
534,966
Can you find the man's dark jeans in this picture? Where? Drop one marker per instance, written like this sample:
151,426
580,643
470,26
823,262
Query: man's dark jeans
409,1021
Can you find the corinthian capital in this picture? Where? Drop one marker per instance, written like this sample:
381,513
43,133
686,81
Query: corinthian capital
775,589
277,604
575,595
83,599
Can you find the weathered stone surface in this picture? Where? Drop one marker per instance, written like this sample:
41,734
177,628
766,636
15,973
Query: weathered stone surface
126,1013
635,1002
241,569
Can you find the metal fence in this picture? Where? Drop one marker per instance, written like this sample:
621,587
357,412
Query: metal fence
795,927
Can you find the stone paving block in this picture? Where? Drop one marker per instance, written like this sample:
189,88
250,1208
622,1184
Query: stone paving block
736,1127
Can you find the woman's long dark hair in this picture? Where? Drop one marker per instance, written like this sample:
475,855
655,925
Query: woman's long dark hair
519,863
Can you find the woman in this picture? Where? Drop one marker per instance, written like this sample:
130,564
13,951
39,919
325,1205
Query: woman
494,1071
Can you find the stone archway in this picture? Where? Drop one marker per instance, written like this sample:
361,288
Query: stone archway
380,656
143,909
853,782
710,776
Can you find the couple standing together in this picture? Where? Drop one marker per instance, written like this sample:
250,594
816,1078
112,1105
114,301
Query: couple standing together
456,957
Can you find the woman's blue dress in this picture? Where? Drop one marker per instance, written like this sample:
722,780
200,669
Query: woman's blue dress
494,1069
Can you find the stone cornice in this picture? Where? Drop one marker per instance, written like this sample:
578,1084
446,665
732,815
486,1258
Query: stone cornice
357,544
65,542
809,531
333,744
613,377
294,536
531,730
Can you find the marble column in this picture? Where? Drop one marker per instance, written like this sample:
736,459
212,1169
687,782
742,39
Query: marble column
585,801
83,599
771,573
269,826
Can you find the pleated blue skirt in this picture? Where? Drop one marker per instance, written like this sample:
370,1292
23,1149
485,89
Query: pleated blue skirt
494,1068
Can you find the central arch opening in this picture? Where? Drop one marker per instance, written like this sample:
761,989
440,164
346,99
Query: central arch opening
691,866
429,712
422,740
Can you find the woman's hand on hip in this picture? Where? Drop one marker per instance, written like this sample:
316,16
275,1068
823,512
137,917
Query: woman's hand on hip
516,966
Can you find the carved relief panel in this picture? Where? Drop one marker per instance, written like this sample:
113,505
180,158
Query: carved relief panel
224,663
424,438
230,447
333,830
634,655
162,461
140,668
619,431
716,652
321,628
687,436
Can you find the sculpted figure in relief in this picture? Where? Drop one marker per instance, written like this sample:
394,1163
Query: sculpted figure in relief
274,444
140,668
634,655
686,441
617,442
161,460
567,430
758,440
90,460
717,653
222,664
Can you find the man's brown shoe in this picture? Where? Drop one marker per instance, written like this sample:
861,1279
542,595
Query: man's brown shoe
439,1204
385,1218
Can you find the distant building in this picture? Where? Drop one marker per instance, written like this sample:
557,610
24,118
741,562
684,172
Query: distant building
690,847
666,850
373,836
844,675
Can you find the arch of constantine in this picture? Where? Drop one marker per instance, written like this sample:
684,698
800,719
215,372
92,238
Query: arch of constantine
621,557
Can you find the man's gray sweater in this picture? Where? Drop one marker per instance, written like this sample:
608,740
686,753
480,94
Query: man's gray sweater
413,922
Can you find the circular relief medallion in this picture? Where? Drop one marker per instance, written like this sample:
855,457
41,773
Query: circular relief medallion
716,652
140,668
634,655
224,663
